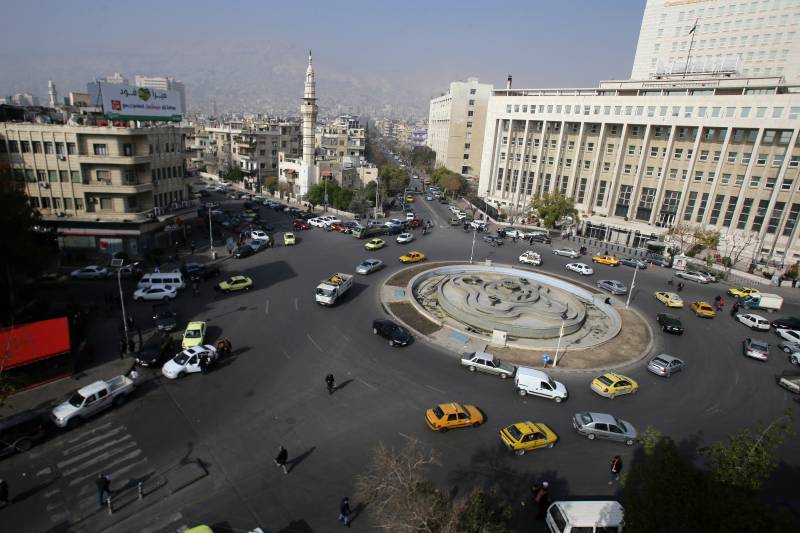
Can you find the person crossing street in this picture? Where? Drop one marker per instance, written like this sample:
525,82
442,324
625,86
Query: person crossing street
331,383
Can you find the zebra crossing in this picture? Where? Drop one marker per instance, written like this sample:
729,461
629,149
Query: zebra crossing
77,460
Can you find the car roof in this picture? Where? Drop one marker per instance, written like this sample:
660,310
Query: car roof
602,417
484,355
197,324
592,513
758,342
451,407
92,388
532,372
666,357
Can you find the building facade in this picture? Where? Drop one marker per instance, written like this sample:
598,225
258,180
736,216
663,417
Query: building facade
103,187
751,38
419,136
641,157
456,122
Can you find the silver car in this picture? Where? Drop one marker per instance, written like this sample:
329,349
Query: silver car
485,362
613,286
665,365
692,275
566,252
369,266
604,426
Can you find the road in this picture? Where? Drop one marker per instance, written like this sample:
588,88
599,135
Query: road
271,392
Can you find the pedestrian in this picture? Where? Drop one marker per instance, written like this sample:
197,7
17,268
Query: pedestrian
227,347
133,373
195,288
534,491
123,347
344,511
514,239
680,286
204,364
542,500
329,381
735,308
103,487
3,492
280,459
616,468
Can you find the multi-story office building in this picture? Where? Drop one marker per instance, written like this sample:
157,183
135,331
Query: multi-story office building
752,38
165,84
103,187
456,122
640,157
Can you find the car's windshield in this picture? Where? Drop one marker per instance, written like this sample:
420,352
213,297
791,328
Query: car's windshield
660,362
193,334
604,380
325,292
586,418
181,358
76,400
437,412
514,432
552,383
621,425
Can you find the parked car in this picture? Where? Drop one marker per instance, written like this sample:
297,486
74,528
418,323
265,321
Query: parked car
612,385
161,293
610,260
665,365
604,426
492,240
753,321
790,335
165,318
669,323
670,299
789,380
711,277
538,236
633,262
788,322
756,349
523,437
20,431
485,362
655,259
515,233
243,251
300,225
188,361
91,399
259,234
396,334
447,416
368,266
567,252
404,238
581,268
90,272
613,286
692,275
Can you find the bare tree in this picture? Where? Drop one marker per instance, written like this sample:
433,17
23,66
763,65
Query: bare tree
734,245
400,497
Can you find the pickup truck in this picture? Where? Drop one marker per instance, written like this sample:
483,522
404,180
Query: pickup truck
762,300
92,399
331,289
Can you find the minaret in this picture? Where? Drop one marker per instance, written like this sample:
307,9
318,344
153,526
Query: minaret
52,93
308,111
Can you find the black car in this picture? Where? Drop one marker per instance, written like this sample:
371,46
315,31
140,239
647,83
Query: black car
670,323
198,272
633,262
305,215
492,240
654,259
501,233
788,322
19,432
541,237
396,334
279,206
165,318
156,351
293,212
243,251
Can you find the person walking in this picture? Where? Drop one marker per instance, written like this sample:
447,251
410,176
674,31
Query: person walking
344,511
227,346
616,468
103,487
280,459
3,492
331,383
542,500
204,364
735,308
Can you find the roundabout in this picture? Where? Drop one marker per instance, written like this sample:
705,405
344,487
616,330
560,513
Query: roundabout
527,316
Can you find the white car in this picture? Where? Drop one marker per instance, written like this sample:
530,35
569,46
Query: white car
514,232
331,220
316,222
90,272
566,252
478,224
752,321
531,258
368,266
188,361
163,292
405,238
581,268
410,216
259,235
791,335
393,222
692,275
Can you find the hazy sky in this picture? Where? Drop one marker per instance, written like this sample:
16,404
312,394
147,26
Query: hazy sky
413,48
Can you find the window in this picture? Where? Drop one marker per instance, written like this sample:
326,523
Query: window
716,209
45,202
777,112
587,164
127,149
673,173
678,153
698,175
37,147
777,160
745,112
710,178
52,176
610,149
770,183
590,147
466,146
654,151
103,175
470,113
717,155
761,160
78,203
649,171
100,149
745,213
75,176
631,149
646,200
601,193
105,203
787,185
24,147
701,209
732,157
746,157
627,169
48,147
469,123
72,149
726,179
68,203
791,220
775,217
472,91
732,201
472,102
606,166
703,155
761,213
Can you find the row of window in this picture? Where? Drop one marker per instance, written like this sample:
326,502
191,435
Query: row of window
776,112
70,148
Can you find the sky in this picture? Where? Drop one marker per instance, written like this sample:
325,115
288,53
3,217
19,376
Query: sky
241,53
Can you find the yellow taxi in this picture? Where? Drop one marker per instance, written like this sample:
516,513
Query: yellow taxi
741,292
525,436
289,239
194,334
446,416
611,385
703,309
610,260
412,257
670,299
409,198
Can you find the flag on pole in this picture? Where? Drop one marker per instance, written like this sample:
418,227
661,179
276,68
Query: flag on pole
693,27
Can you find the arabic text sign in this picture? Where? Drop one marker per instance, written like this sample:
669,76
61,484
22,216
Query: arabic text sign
139,103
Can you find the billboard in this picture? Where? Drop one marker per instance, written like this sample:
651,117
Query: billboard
127,102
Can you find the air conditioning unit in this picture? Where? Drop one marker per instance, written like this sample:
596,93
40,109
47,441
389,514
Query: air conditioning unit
44,184
62,157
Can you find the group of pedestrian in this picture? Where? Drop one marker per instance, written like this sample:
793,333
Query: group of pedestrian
541,498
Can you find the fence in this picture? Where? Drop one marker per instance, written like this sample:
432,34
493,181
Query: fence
617,249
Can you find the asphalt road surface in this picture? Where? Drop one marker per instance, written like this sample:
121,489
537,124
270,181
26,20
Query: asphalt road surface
271,392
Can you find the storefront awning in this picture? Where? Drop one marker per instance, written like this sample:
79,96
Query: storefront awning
32,342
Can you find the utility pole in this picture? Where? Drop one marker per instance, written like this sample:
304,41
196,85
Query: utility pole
691,45
210,235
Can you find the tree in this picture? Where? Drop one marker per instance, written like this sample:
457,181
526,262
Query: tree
691,239
271,184
400,497
481,511
551,208
233,173
449,181
733,247
747,458
393,179
423,158
358,205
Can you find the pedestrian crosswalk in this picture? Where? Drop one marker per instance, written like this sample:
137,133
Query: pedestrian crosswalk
78,459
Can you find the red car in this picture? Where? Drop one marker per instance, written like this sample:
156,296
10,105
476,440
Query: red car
300,225
415,223
339,227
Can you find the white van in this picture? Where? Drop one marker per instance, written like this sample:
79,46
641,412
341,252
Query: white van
158,279
532,381
585,517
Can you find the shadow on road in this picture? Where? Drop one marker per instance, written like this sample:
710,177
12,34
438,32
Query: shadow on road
342,385
294,462
297,526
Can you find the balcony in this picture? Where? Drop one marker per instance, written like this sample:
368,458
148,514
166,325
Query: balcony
114,159
125,187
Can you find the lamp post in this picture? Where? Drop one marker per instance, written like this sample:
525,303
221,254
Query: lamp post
472,252
633,284
210,236
325,180
122,304
560,335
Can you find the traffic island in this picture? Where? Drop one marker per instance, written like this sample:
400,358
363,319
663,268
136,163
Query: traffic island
521,315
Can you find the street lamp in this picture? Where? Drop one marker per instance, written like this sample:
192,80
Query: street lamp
122,304
472,252
560,335
633,284
210,236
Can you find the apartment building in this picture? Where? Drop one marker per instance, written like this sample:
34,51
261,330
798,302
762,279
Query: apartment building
102,186
344,138
456,122
252,146
752,37
640,157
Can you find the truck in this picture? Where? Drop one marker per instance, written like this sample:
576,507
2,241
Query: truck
371,231
91,399
762,300
331,289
